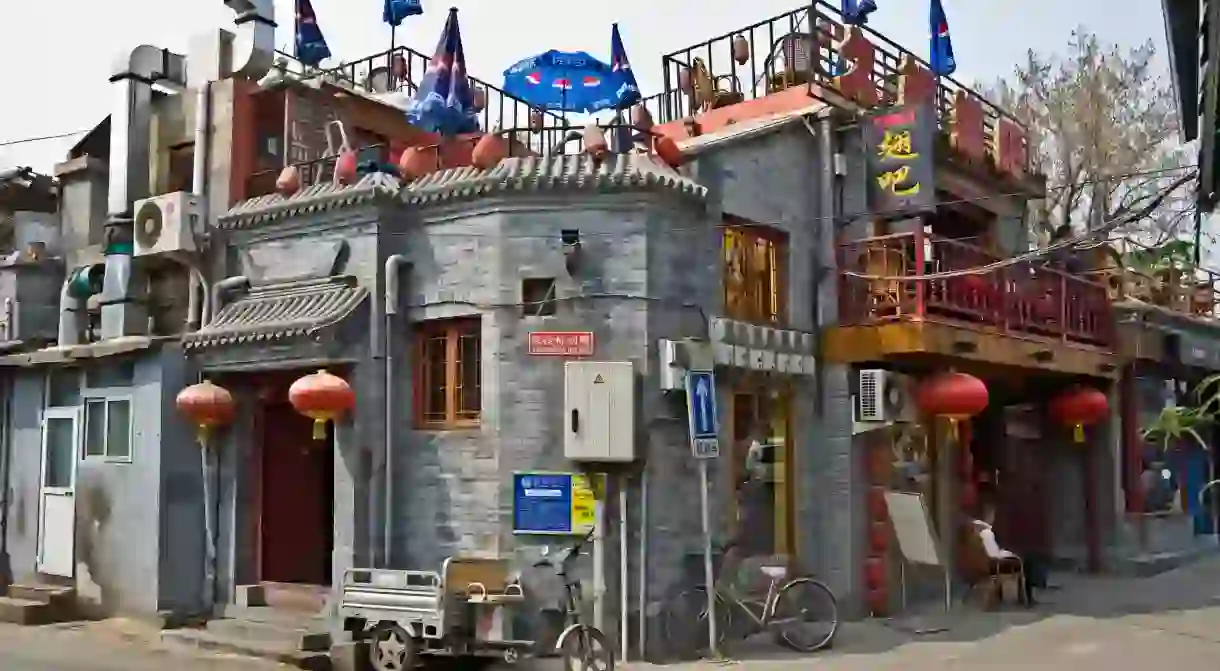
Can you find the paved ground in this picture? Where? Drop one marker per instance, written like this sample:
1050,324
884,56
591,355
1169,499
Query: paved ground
1091,624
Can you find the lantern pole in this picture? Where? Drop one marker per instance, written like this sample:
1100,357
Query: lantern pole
209,561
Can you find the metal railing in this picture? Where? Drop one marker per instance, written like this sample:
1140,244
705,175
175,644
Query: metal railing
1030,297
1173,284
784,51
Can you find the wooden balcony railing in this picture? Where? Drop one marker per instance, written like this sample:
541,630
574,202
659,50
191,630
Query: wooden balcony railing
1025,298
1171,283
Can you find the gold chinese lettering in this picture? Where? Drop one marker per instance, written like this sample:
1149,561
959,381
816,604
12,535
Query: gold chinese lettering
896,146
896,182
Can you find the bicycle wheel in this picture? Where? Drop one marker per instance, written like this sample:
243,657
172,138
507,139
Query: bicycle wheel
587,649
804,616
686,623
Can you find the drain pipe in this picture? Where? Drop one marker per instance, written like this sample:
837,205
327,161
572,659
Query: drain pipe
199,188
393,270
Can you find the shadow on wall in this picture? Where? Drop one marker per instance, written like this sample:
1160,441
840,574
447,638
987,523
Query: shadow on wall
96,595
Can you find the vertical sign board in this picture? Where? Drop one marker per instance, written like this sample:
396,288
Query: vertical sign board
901,168
548,503
701,409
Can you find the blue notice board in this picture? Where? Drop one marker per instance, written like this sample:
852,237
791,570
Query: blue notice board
552,503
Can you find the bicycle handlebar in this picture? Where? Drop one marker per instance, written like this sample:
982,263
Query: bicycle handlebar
571,553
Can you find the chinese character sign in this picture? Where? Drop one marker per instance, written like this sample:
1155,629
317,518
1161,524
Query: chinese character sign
899,142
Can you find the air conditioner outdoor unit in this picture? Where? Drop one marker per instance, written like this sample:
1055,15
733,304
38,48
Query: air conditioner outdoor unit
166,224
885,396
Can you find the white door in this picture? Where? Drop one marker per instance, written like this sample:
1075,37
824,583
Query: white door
57,507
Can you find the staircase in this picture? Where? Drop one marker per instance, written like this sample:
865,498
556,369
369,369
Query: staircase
289,637
32,604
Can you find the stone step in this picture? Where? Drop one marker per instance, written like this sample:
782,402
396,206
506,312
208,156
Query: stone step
26,611
48,594
303,638
282,652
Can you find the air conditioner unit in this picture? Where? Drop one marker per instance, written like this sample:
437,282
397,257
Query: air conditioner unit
885,396
166,224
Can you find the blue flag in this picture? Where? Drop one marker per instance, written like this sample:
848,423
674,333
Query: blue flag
855,12
941,51
311,46
394,12
443,103
628,91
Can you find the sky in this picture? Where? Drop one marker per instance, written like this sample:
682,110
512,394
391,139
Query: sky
60,52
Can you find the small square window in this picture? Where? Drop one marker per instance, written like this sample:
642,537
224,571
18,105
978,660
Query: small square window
108,428
538,297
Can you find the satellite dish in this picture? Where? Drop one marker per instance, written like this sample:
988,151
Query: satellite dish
149,224
378,80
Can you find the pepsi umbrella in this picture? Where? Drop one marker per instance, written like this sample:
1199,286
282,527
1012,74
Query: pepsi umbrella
310,45
444,101
628,91
567,81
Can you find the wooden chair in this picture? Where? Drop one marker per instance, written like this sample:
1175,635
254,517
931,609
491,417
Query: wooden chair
885,296
708,92
986,576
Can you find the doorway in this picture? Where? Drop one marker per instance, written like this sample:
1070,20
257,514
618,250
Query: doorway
57,493
761,466
296,520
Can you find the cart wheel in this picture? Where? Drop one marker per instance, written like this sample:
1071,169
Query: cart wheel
392,649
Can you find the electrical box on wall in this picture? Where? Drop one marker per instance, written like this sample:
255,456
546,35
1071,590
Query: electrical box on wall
599,411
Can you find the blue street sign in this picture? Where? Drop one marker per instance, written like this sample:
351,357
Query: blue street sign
701,403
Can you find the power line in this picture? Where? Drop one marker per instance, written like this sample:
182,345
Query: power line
40,138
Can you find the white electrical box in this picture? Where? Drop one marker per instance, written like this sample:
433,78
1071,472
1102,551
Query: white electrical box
599,411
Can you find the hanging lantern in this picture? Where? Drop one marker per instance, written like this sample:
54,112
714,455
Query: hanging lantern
415,162
878,537
345,168
489,151
479,97
875,573
1079,407
207,405
321,397
954,396
289,181
595,141
741,50
667,150
536,120
398,66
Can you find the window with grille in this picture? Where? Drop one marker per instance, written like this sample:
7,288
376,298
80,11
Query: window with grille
449,379
755,273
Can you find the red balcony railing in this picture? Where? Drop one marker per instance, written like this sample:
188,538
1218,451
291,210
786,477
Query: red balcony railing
1029,297
1137,272
784,51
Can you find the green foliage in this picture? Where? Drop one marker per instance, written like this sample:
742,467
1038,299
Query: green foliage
1179,423
1177,253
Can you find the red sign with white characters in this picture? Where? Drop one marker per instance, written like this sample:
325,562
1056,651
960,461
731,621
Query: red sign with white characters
561,343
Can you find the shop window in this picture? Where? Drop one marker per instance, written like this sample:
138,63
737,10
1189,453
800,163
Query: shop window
755,273
449,381
108,428
538,296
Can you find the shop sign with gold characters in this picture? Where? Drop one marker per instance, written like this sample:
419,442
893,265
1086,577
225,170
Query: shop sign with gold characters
899,141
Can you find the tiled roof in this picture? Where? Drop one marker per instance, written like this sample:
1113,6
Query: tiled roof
618,172
279,311
317,198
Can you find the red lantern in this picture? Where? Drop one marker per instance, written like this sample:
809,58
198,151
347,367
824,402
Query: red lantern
878,537
1079,407
289,181
954,396
875,574
346,168
667,149
878,601
877,508
207,406
489,151
321,397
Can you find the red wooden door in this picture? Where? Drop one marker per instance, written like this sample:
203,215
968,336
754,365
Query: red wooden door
1024,492
296,500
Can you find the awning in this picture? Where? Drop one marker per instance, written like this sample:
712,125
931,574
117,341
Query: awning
280,311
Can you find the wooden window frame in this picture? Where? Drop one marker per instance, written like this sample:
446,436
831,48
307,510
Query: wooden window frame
750,232
452,330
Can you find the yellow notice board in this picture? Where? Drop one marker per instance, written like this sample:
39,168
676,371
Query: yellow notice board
552,503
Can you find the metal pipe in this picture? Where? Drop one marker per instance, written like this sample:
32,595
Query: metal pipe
643,564
393,267
623,570
223,287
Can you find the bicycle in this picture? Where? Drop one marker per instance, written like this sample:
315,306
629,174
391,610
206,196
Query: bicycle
786,605
582,646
